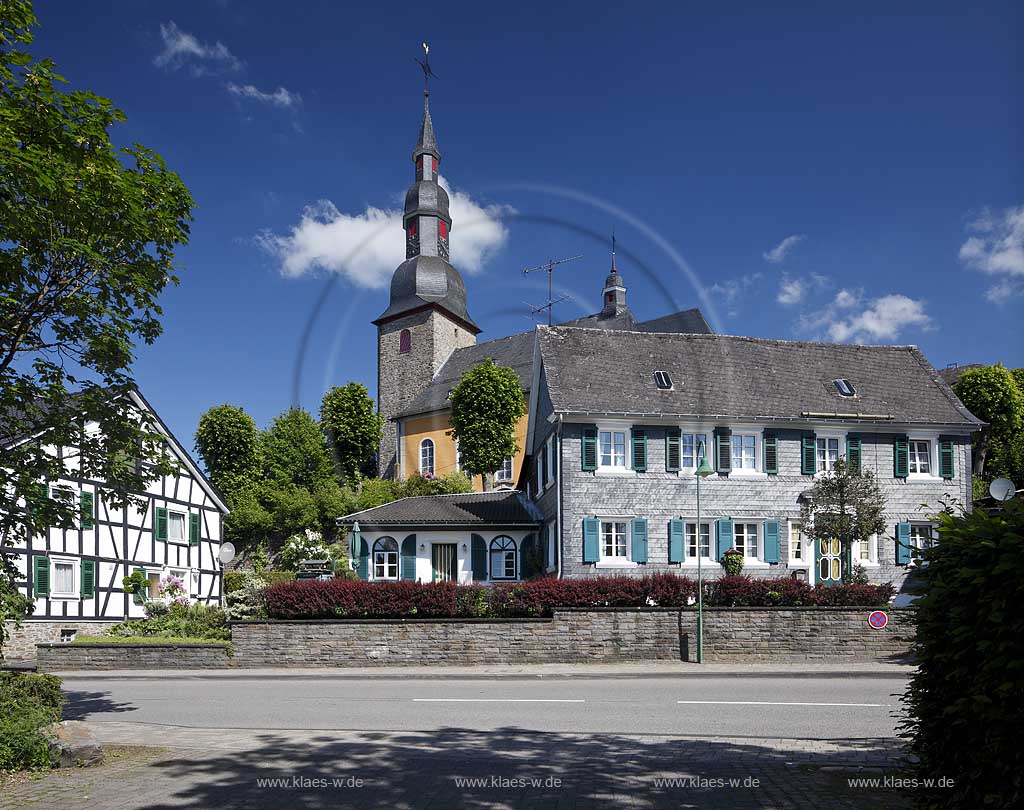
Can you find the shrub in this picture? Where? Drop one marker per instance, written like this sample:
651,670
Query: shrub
36,688
248,601
24,742
853,594
965,702
307,545
197,621
233,580
732,562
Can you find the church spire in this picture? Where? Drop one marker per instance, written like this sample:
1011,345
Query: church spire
614,293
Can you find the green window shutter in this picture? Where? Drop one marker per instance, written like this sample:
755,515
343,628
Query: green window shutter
527,557
588,448
672,450
42,576
771,454
479,557
161,524
591,529
903,544
723,452
900,457
87,506
139,597
676,541
946,464
362,560
853,452
771,541
723,537
808,455
408,557
639,540
639,446
194,524
88,579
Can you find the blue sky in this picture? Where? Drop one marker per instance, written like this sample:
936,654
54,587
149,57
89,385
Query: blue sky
819,171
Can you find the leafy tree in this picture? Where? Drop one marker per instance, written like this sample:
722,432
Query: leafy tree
229,444
14,605
844,504
353,429
294,452
993,395
486,406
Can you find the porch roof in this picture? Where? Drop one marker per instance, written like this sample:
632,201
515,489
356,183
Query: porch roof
505,508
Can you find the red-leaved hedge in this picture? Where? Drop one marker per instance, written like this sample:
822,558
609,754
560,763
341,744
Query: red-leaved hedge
354,599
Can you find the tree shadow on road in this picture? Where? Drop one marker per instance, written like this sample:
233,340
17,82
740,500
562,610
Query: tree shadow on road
79,705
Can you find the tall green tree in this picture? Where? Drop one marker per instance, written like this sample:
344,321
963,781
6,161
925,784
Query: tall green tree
486,405
229,443
353,429
295,452
845,504
993,395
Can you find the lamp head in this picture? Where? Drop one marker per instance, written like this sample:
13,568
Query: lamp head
703,469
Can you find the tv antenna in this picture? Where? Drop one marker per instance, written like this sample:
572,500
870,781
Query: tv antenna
549,266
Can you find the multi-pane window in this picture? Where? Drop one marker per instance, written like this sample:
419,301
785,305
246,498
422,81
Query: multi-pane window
690,446
613,539
503,558
612,446
504,472
921,536
63,579
385,558
427,457
745,538
691,540
828,453
176,526
551,460
744,455
920,457
796,542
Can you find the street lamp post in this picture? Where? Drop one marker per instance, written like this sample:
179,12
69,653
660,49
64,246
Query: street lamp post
703,471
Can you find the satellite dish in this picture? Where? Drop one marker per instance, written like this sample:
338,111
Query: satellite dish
1002,489
226,553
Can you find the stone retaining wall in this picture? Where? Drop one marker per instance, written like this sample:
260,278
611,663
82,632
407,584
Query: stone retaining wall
67,657
21,646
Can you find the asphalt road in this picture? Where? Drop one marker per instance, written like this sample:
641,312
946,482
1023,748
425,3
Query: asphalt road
831,707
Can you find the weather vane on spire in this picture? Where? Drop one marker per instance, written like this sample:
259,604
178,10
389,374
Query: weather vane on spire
424,63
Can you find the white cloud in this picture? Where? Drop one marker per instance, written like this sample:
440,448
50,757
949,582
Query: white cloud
791,291
777,254
997,248
730,292
181,48
281,97
845,299
366,248
883,320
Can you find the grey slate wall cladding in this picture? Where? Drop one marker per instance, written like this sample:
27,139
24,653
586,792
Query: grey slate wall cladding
68,657
660,496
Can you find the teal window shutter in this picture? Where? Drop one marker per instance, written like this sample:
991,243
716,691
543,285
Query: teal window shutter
528,556
87,508
808,455
194,519
479,557
139,597
900,457
588,448
639,540
723,454
88,579
673,460
362,560
639,442
42,576
903,546
853,452
161,523
408,561
946,465
723,537
591,529
771,541
771,454
676,541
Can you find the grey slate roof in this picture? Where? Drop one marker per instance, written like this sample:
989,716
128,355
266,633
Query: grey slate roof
500,508
686,320
594,371
427,280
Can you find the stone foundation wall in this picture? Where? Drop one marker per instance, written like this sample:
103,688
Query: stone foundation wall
21,646
68,657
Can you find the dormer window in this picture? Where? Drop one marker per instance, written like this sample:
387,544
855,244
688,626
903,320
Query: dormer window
663,380
845,387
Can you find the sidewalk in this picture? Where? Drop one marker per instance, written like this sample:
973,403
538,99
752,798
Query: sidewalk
647,669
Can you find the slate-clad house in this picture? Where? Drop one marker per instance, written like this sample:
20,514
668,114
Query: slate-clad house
616,420
75,575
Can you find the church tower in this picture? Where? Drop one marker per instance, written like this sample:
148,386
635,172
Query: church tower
426,319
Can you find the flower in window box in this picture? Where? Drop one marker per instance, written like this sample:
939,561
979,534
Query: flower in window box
732,561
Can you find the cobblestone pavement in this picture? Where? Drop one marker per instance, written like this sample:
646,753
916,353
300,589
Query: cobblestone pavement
456,768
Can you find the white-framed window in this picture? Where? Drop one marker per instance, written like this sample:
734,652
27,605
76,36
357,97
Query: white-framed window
744,452
504,472
427,457
503,557
177,526
691,541
611,447
865,552
64,578
797,550
385,558
827,452
745,539
922,535
552,546
615,540
62,493
920,457
550,449
153,589
689,449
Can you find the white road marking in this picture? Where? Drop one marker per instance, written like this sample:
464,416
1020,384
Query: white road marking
775,703
498,700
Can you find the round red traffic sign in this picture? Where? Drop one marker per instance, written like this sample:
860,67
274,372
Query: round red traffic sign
878,619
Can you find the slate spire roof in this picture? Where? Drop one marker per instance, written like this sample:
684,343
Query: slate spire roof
427,143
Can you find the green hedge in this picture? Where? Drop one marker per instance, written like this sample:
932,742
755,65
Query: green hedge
233,579
28,704
966,700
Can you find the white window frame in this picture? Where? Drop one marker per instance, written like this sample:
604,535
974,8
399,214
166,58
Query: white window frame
76,577
796,528
615,469
758,434
433,456
856,548
504,552
549,449
825,436
552,546
758,524
689,560
915,559
387,564
933,457
500,474
183,540
696,432
604,561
